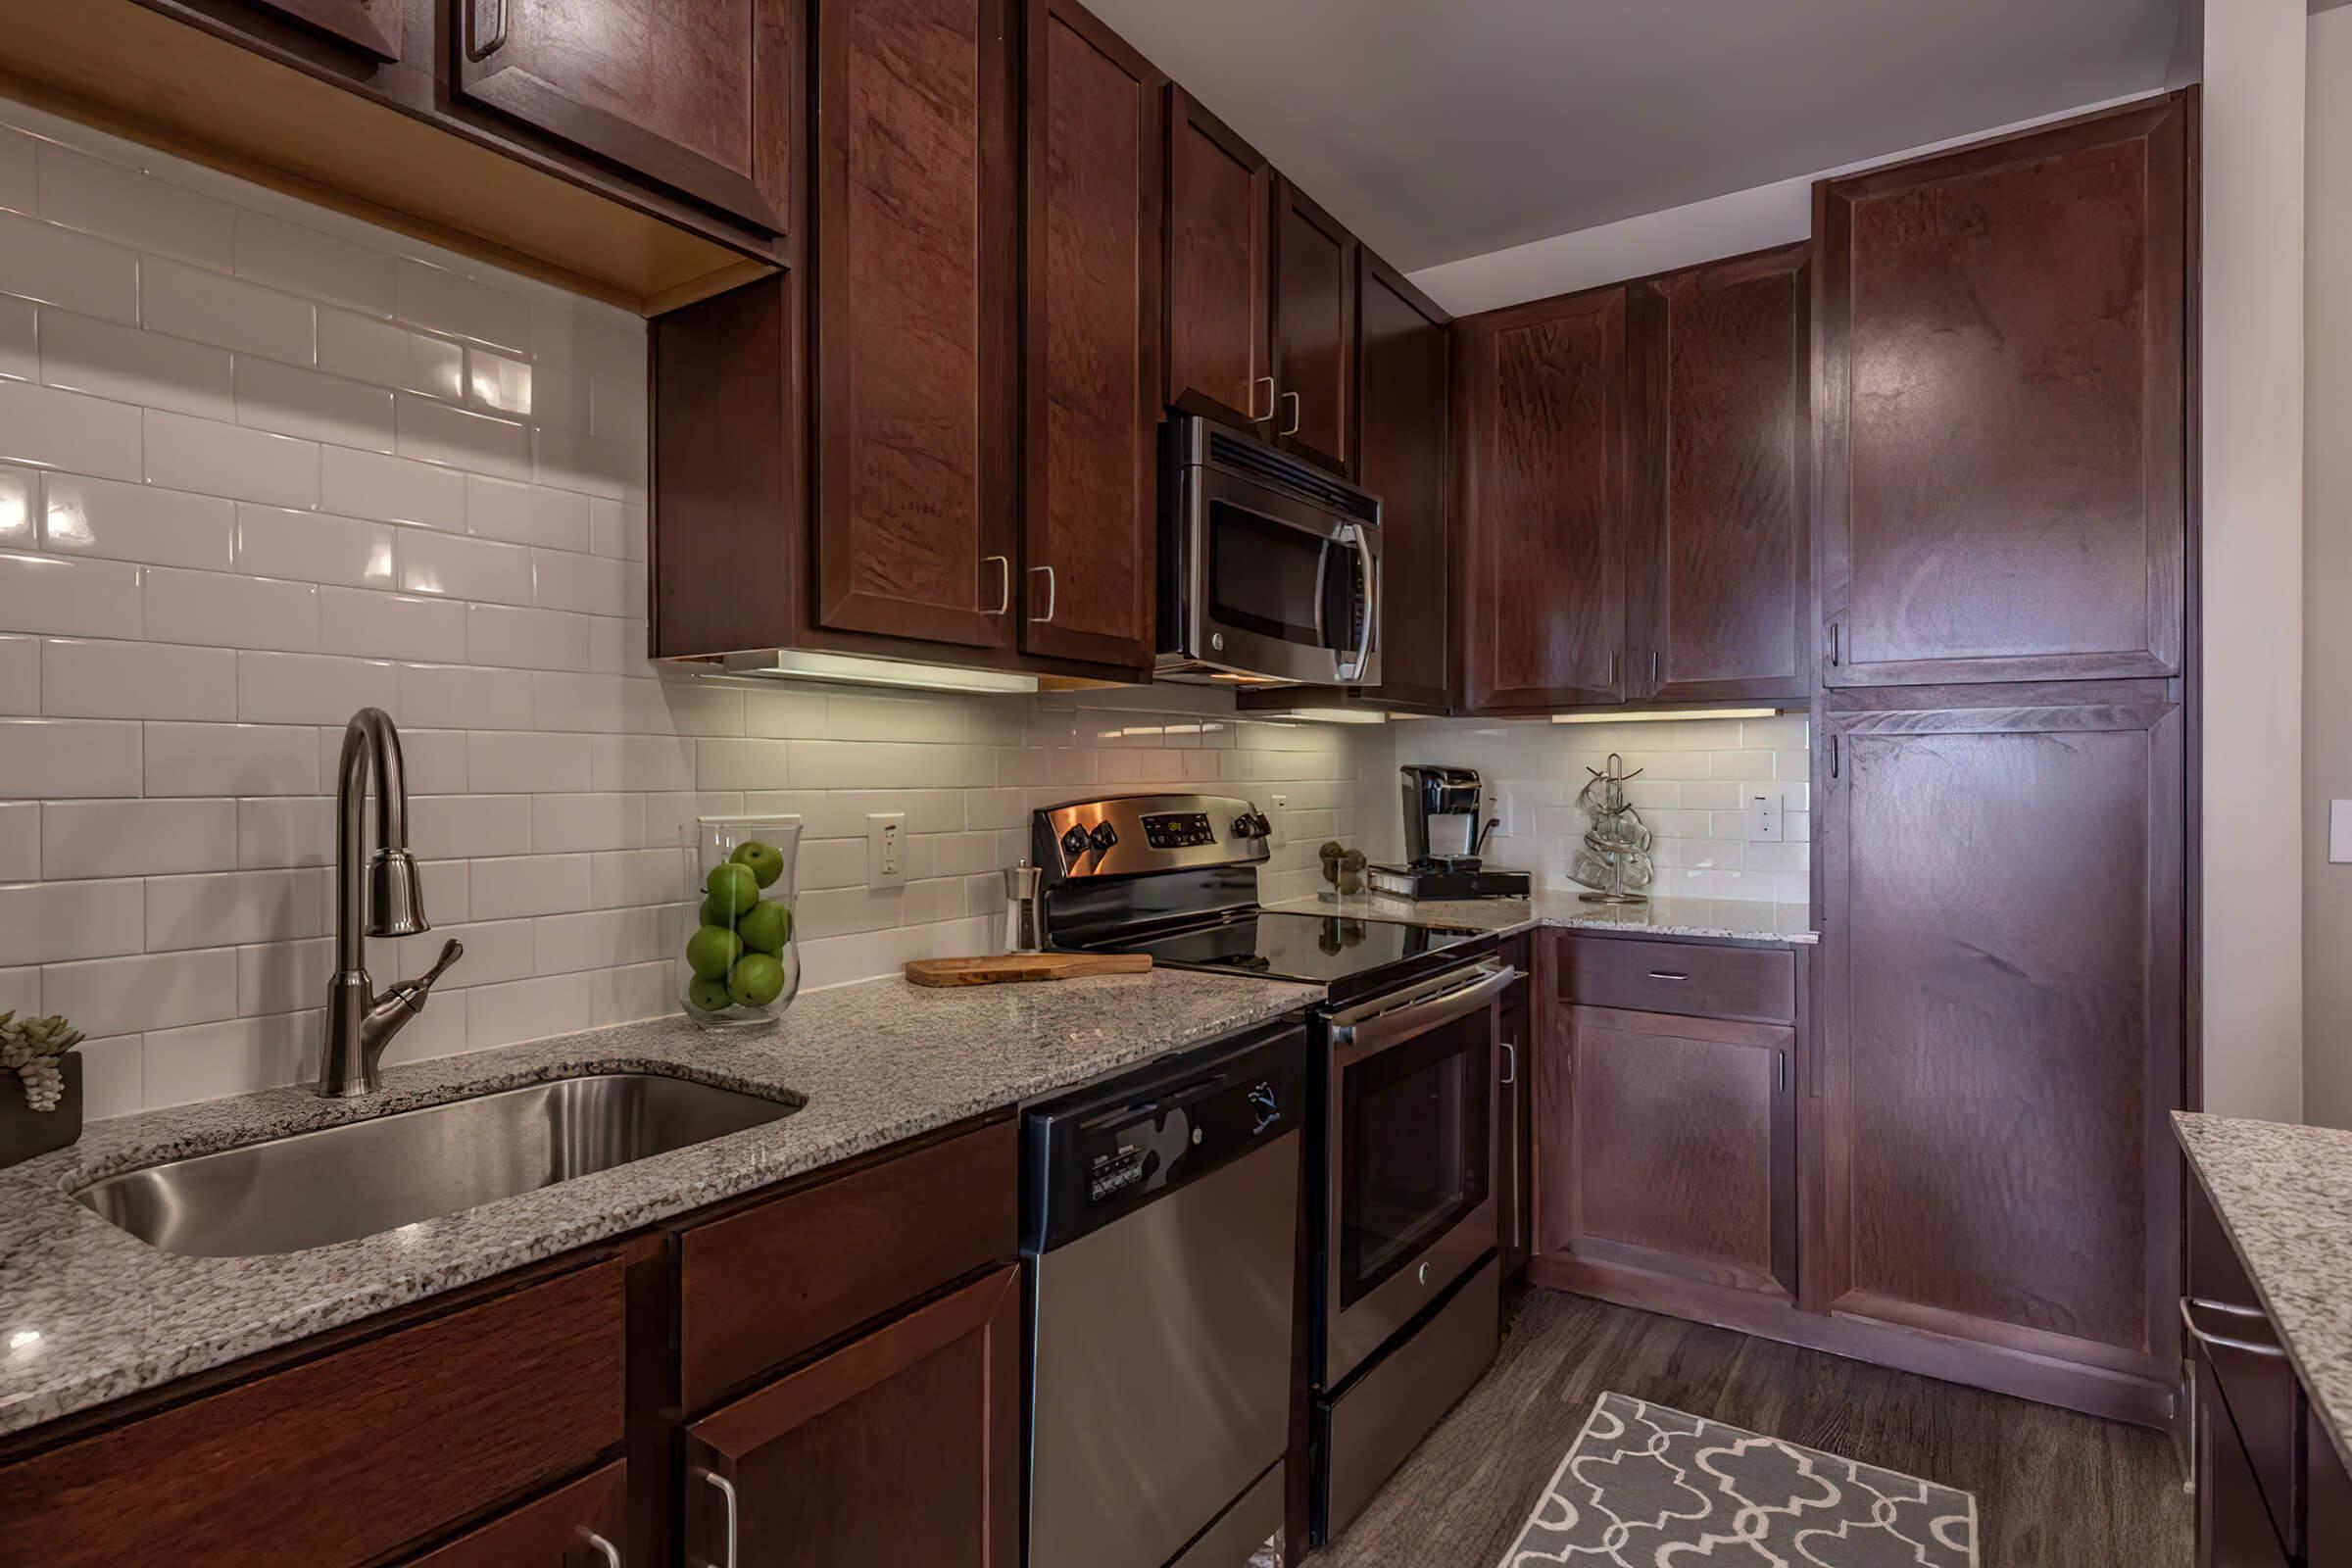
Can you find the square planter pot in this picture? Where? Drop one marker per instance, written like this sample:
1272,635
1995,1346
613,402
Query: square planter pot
25,1132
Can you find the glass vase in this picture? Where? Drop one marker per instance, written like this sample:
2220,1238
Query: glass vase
739,964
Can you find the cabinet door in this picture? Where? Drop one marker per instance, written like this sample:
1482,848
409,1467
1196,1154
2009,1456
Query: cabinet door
583,1525
2001,1026
1403,352
696,94
1314,331
900,1447
2234,1528
1089,528
915,321
1540,416
373,26
2001,408
1220,268
1668,1145
2328,1535
1720,594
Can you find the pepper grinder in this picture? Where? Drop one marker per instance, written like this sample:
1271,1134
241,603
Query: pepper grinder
1020,908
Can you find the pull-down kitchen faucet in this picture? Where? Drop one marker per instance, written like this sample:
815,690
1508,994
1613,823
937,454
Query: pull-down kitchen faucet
360,1024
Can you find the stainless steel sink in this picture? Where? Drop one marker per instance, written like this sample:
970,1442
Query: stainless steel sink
364,1178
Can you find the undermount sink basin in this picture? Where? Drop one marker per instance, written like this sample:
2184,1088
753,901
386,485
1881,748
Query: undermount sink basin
364,1178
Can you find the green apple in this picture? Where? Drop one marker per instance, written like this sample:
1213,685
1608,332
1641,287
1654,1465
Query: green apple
714,912
732,887
765,860
708,995
766,928
710,949
756,980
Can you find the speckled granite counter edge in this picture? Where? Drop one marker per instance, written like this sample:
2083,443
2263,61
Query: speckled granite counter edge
1712,921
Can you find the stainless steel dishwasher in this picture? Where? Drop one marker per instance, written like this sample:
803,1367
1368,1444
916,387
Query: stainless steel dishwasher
1160,1221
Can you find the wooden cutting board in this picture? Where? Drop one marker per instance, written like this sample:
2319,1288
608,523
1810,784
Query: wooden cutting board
1012,967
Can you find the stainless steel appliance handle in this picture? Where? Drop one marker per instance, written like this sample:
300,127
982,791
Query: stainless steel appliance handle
2223,1340
1353,669
726,1489
1378,1030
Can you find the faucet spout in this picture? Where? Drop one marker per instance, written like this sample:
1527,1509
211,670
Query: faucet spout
390,902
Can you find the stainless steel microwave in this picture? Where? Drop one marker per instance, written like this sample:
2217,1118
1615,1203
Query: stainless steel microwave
1269,567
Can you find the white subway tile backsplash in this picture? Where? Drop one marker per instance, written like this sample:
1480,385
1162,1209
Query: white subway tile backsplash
304,261
118,522
534,884
70,598
56,266
454,567
526,513
642,763
499,763
312,547
198,760
121,204
498,385
368,484
380,625
625,996
457,827
526,639
435,757
600,939
56,429
20,841
390,357
114,1080
311,688
227,460
19,501
590,583
188,302
87,679
225,609
49,923
20,349
565,823
17,181
525,1010
461,697
276,831
431,432
231,907
71,758
214,1060
107,360
123,996
443,301
314,407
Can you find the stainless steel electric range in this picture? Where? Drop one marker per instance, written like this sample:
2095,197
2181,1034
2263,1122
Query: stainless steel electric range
1401,1153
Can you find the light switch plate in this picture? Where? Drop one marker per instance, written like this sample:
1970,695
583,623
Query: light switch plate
1763,820
2339,832
886,849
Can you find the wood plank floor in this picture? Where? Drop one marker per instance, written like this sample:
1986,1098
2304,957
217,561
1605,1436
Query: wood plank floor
2054,1489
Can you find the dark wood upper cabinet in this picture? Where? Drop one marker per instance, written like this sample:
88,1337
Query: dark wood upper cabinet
696,94
1668,1146
916,302
373,26
1403,368
1096,168
2002,1023
904,1446
1540,421
1220,347
1719,592
1999,403
1314,331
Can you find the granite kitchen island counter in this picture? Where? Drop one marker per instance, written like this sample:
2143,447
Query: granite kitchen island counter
1717,919
2284,1195
89,1313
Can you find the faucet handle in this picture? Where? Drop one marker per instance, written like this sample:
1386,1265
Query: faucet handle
412,992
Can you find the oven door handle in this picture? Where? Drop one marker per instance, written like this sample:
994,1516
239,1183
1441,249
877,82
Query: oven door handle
1377,1032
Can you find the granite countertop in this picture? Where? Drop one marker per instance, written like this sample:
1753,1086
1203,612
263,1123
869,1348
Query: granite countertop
1721,920
2284,1195
89,1313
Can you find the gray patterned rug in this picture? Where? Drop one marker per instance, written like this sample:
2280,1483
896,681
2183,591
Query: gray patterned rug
1646,1487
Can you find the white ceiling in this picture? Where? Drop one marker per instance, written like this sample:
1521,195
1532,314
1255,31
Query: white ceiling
1445,128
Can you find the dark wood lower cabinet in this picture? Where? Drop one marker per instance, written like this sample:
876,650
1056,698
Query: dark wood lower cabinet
583,1525
902,1447
2328,1508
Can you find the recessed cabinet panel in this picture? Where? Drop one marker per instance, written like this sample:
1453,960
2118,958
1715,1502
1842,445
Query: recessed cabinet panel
2001,408
373,26
1220,260
694,93
916,309
1403,355
1314,331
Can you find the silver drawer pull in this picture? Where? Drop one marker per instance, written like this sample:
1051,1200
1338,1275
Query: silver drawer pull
1668,974
726,1489
2224,1341
603,1549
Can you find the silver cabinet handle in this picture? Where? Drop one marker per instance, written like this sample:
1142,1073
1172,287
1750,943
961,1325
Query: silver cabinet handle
603,1549
1510,1062
1835,651
2224,1341
1298,412
1611,682
1050,594
1668,974
726,1489
1267,382
1654,666
478,50
1004,594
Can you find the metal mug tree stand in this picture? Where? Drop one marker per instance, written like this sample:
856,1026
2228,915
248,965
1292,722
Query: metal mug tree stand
1614,860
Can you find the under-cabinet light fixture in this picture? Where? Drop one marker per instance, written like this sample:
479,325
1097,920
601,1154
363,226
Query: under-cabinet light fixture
852,669
1652,716
1322,716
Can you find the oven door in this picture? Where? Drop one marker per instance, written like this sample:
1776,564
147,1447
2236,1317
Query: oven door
1409,1193
1275,587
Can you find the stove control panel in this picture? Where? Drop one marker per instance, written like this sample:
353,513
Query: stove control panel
1178,830
1135,835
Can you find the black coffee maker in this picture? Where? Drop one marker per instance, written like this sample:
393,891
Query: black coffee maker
1443,835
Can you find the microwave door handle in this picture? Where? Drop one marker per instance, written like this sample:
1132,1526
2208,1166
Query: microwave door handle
1322,583
1353,671
1354,1040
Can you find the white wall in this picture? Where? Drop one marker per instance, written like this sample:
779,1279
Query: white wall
2252,438
2327,571
261,465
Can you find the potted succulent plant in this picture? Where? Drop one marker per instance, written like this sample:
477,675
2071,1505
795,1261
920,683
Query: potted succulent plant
48,1114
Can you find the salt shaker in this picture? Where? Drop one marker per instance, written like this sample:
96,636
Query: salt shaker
1020,909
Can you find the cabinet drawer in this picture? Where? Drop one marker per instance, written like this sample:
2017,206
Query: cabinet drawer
562,1530
340,1460
1685,977
765,1284
2231,1334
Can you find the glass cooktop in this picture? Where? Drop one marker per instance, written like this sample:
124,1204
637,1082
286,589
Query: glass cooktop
1317,949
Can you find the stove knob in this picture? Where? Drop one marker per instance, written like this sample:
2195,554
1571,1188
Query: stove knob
1073,843
1242,827
1104,836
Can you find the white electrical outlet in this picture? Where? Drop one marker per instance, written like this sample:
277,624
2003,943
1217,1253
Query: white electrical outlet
2339,832
1281,817
1502,807
1763,820
886,849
